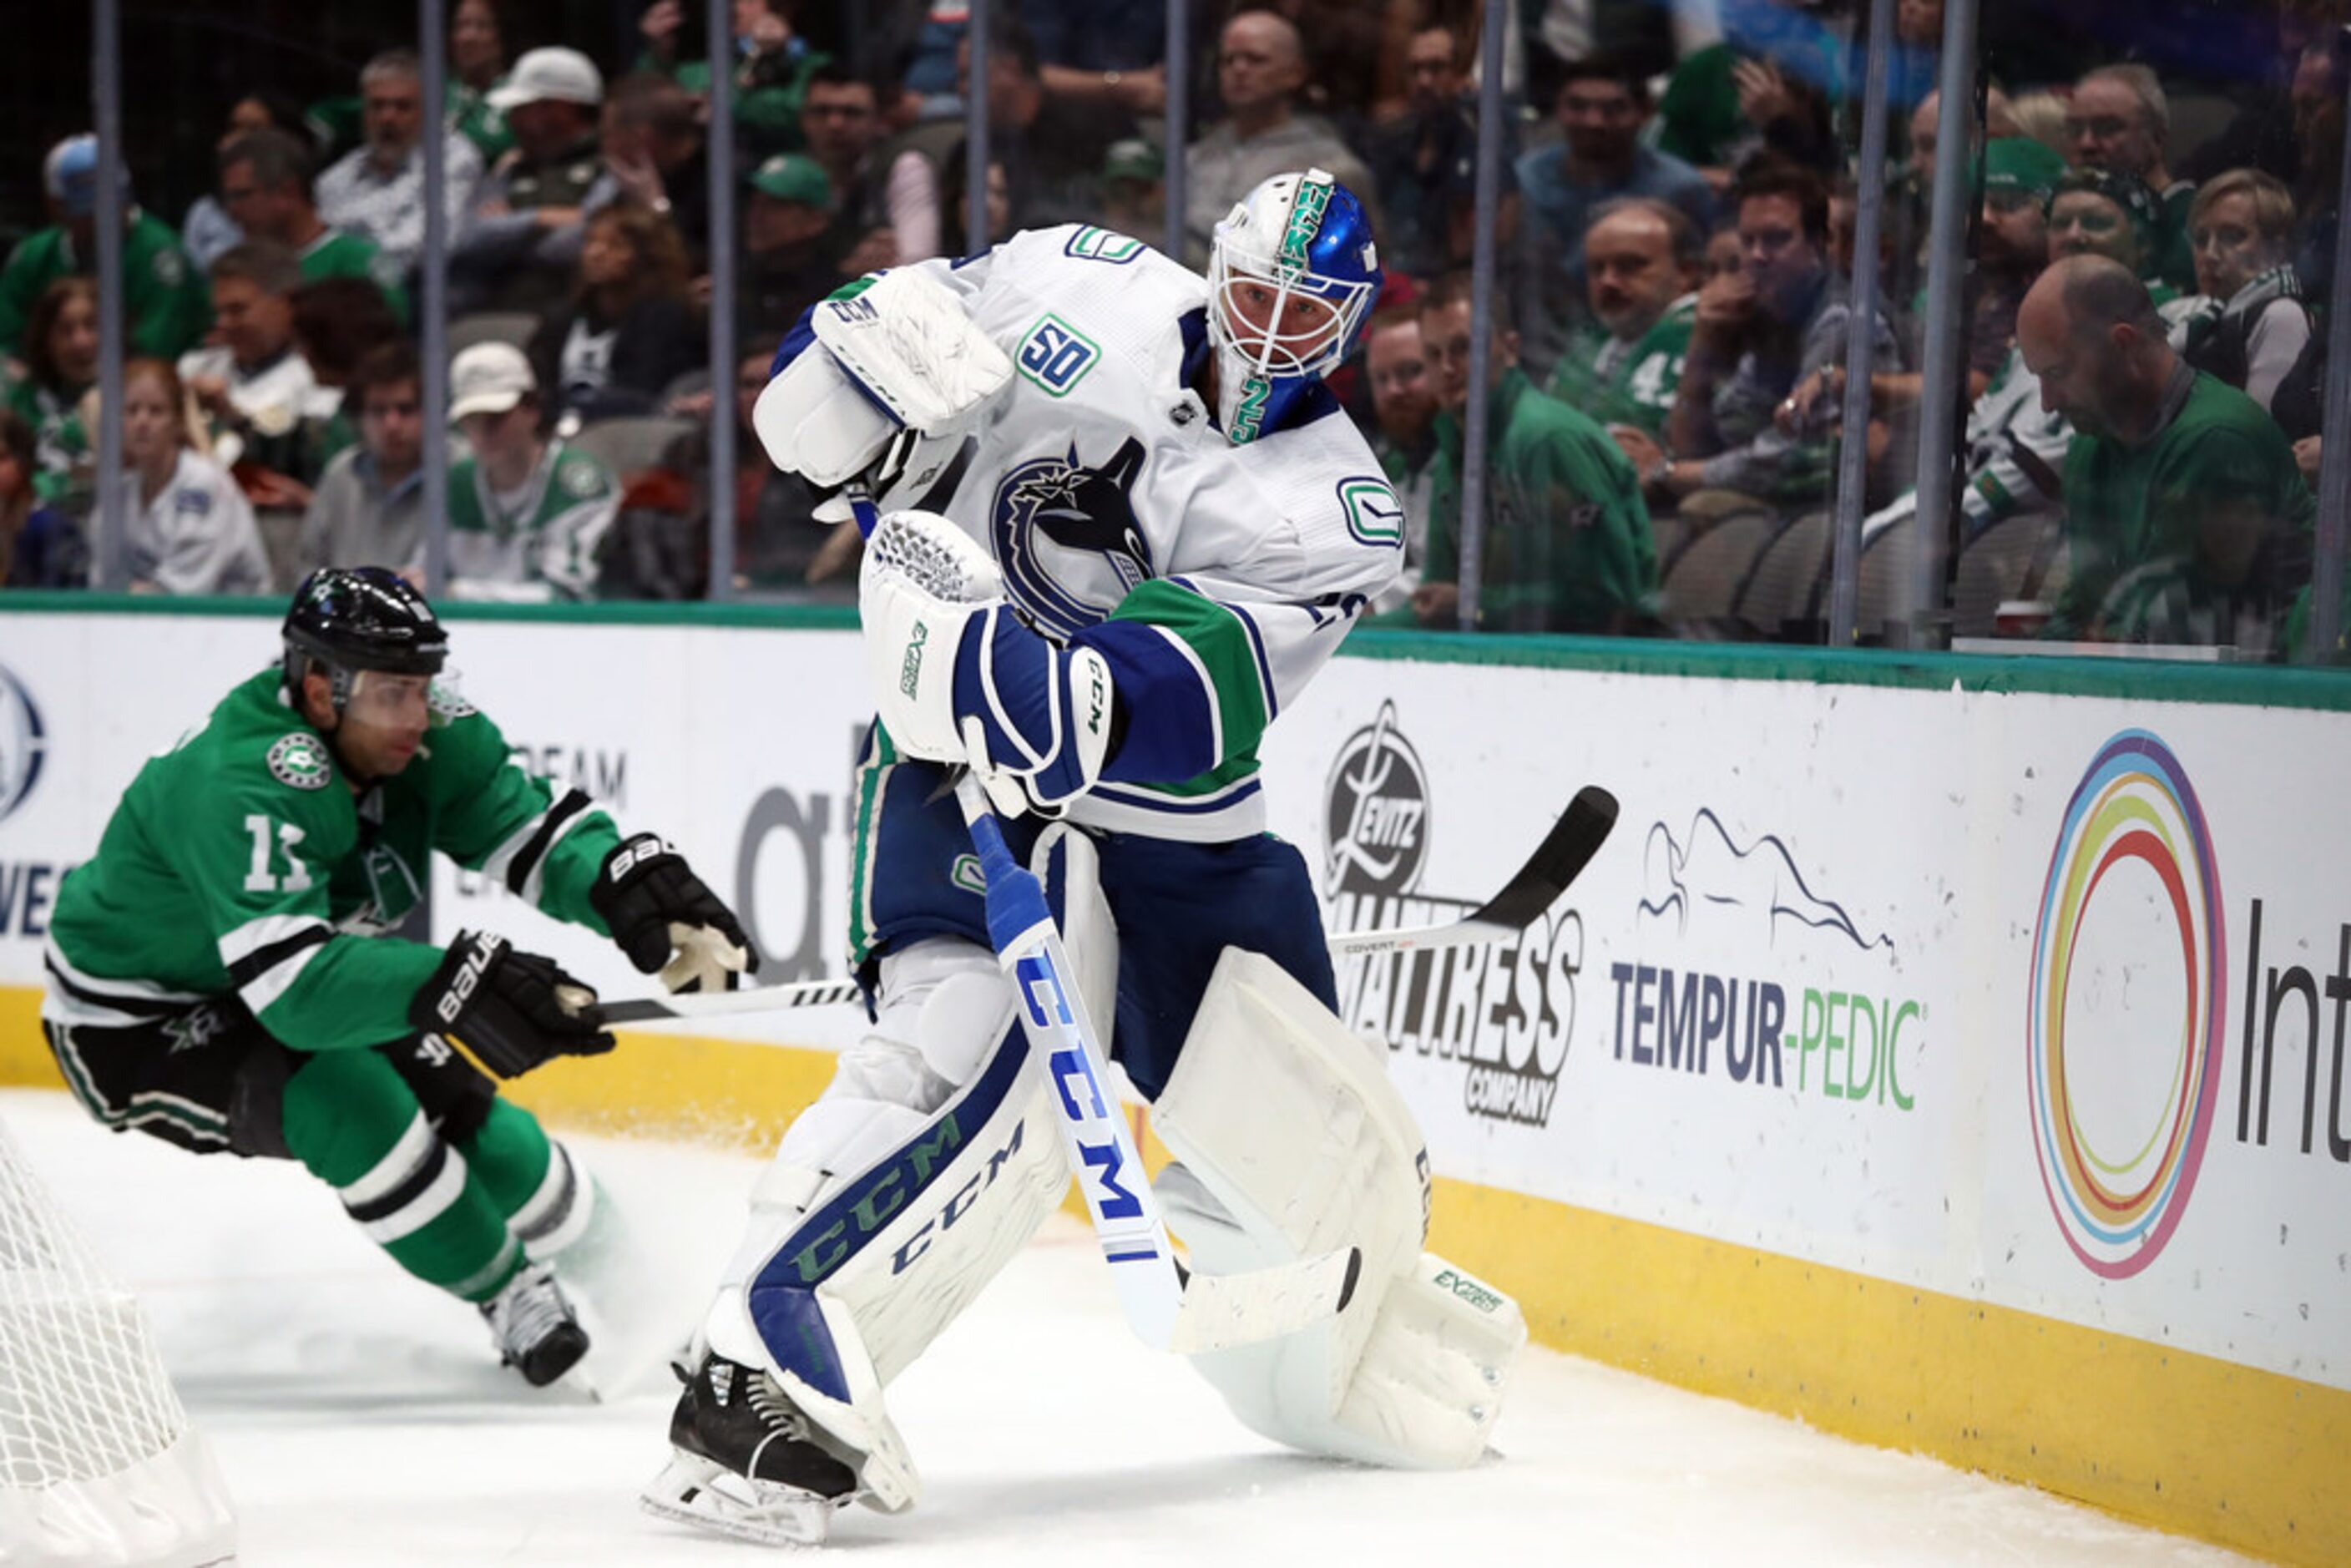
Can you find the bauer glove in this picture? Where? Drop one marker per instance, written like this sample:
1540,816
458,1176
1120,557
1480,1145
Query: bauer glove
664,918
512,1009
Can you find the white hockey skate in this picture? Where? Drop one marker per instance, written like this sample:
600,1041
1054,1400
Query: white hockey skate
744,1463
532,1321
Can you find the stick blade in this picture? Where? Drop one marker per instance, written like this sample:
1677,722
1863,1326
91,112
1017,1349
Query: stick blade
1219,1311
1558,860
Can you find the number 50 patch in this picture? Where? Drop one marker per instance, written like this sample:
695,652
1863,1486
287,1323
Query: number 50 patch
1055,355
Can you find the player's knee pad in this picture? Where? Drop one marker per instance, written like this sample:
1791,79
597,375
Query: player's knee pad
1294,1143
880,1221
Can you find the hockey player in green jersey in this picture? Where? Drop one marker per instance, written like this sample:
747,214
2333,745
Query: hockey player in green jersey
220,976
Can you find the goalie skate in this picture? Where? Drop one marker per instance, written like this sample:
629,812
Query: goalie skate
744,1463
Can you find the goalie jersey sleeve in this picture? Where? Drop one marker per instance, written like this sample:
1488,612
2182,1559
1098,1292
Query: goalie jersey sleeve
236,864
1216,580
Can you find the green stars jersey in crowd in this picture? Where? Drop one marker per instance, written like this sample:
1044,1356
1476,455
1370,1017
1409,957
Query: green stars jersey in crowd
1628,383
241,862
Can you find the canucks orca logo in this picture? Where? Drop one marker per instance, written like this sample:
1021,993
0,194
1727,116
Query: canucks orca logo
1067,537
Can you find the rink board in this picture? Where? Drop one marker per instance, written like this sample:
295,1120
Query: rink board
1950,1052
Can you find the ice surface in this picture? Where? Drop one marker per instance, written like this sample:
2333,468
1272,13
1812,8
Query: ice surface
361,1418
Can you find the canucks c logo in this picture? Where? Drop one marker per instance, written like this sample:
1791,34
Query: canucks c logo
1067,539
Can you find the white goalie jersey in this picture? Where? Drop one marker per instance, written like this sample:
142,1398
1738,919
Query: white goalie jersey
1215,577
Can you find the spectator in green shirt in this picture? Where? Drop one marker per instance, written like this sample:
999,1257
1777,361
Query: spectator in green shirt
2187,519
163,298
1566,543
264,184
772,66
1642,261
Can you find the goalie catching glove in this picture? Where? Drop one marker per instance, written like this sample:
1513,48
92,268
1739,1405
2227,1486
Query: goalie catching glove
654,905
512,1009
958,678
892,356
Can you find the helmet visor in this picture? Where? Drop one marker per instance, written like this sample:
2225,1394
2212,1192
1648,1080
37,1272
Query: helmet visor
394,698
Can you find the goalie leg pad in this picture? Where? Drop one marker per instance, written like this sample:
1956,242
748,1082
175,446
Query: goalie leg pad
893,1201
1292,1142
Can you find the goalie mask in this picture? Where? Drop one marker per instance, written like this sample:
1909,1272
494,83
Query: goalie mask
1292,276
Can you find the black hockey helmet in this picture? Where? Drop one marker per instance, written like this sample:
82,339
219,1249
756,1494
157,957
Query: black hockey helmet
360,618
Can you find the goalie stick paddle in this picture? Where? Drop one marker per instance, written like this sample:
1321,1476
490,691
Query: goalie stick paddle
1557,861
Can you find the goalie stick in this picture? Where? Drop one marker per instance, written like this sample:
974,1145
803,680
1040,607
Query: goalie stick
1561,856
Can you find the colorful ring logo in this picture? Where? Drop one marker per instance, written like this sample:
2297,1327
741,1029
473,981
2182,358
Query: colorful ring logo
2118,1207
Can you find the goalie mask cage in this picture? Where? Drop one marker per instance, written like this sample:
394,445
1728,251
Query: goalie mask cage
99,1464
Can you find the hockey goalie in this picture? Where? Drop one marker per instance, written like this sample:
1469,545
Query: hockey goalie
1165,525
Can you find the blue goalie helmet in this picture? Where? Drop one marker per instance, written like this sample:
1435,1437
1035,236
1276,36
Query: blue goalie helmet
1292,273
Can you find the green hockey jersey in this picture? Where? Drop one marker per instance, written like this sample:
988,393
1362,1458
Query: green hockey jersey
1628,383
542,541
240,862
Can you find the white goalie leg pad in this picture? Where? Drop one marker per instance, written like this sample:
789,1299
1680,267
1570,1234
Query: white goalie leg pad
1294,1143
891,1202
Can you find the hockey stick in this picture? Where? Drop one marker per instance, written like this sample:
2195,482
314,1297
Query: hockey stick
1166,1307
1561,856
720,1004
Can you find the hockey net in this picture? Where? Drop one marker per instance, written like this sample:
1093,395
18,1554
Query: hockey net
99,1464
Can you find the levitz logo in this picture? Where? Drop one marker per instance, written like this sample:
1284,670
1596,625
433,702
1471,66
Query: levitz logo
468,977
1505,1010
910,670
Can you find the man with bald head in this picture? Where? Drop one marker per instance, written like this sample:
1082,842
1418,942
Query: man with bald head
1642,261
2187,519
1261,70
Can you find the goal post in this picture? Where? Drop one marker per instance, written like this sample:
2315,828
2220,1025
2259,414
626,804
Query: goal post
99,1463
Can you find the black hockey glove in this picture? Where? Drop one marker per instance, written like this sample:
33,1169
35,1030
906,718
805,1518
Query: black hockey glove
513,1011
655,906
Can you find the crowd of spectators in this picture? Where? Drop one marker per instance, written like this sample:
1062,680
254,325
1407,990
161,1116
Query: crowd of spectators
1675,237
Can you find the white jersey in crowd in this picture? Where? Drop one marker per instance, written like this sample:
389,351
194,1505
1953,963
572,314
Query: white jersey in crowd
198,535
1102,471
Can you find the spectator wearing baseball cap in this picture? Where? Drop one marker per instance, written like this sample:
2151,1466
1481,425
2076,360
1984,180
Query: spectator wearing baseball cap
1133,188
522,238
165,308
527,515
787,266
2020,176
